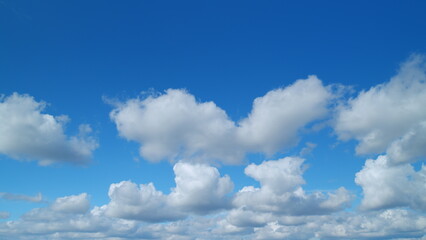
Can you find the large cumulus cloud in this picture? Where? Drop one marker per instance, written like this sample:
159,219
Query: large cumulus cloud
386,185
281,193
199,189
175,125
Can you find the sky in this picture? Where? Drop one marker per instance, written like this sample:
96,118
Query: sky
212,120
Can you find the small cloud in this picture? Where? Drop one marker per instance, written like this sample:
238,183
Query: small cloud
308,149
21,197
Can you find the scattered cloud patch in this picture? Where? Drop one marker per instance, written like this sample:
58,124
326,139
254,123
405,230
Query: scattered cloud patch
72,204
277,117
21,197
308,149
199,189
26,133
387,185
176,126
388,112
281,192
143,202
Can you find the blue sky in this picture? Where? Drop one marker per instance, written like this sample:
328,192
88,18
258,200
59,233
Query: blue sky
212,120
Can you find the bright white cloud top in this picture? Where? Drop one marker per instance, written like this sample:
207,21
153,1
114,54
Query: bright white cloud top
387,121
26,133
175,126
389,116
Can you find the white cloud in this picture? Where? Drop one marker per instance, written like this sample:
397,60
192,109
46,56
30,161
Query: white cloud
388,112
277,117
27,133
62,207
144,202
387,185
21,197
66,218
387,224
176,126
47,223
72,204
278,176
199,188
280,192
410,147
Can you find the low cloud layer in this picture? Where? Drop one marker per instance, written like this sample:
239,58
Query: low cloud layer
51,223
386,186
26,133
199,190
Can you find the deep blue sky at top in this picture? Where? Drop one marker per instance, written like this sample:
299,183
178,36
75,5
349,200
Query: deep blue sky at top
72,53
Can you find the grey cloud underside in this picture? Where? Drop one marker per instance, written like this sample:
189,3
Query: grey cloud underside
48,223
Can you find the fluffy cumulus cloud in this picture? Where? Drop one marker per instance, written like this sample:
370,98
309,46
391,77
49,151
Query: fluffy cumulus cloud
199,189
144,202
390,119
72,204
61,208
392,113
387,185
176,126
28,133
276,117
273,211
281,192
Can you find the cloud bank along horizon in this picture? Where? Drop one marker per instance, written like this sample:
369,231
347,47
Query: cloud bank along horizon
387,121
